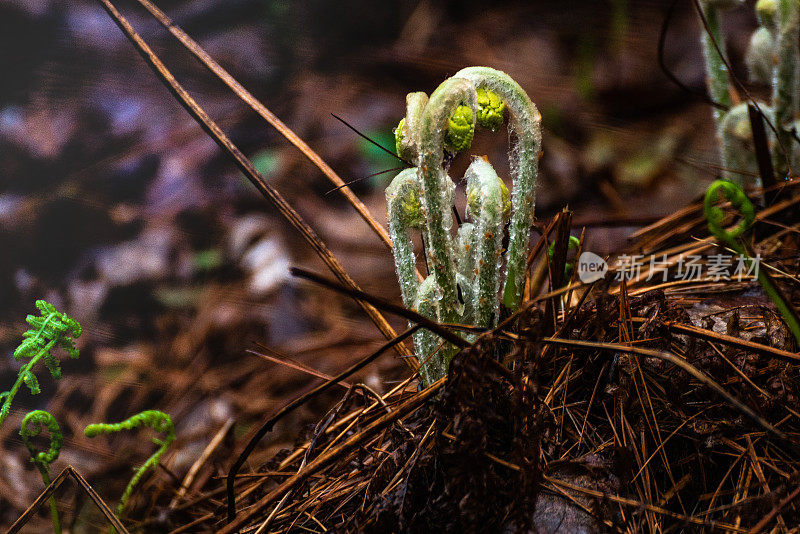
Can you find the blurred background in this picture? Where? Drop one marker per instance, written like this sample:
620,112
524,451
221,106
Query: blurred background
117,208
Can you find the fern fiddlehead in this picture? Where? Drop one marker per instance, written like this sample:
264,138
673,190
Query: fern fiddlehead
32,425
437,189
464,274
403,201
715,216
407,132
487,196
525,124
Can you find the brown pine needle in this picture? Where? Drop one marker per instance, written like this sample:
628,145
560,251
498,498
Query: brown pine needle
192,46
247,167
292,364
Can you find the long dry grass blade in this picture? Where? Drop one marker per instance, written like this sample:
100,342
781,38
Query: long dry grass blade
247,167
192,46
357,294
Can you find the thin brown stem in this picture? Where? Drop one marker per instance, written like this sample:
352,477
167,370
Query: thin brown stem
197,51
247,167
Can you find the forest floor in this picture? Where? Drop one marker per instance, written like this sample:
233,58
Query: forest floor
119,209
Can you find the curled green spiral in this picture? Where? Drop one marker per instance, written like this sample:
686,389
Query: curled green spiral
158,421
32,425
715,217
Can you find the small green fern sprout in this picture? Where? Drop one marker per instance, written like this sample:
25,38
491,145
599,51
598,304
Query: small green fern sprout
50,329
158,421
32,425
715,218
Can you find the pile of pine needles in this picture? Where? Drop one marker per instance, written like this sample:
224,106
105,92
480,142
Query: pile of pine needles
628,406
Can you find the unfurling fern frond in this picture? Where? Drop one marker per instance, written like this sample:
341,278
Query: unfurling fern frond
32,425
158,421
50,329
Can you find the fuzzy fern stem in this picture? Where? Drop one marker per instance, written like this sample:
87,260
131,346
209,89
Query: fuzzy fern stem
407,132
784,87
737,146
485,203
717,75
437,190
434,358
405,213
525,124
464,250
404,209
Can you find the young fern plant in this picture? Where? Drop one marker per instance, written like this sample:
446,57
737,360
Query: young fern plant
465,272
158,421
772,58
32,425
50,329
715,218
